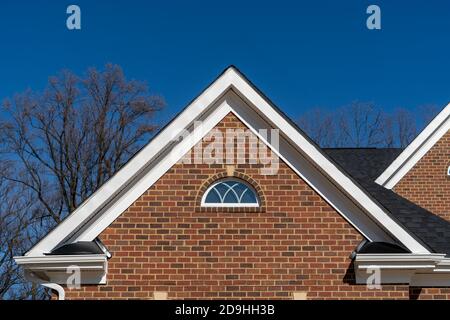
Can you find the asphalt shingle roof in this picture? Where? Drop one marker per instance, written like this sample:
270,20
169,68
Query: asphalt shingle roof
364,166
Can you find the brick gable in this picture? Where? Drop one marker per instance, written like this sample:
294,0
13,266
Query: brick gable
295,242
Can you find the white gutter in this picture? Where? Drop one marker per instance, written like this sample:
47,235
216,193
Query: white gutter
60,259
52,271
398,258
404,268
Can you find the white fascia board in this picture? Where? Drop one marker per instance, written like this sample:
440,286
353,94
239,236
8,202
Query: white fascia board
443,266
297,161
161,167
106,195
411,269
108,190
398,261
430,280
432,133
328,167
231,103
58,269
60,259
395,257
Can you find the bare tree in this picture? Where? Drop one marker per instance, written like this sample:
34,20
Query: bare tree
399,128
406,126
17,232
61,145
388,129
70,139
362,124
359,125
320,127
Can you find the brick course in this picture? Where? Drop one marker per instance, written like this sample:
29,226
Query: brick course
294,242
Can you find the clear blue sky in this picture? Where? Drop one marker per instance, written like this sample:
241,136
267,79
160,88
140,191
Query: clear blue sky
302,54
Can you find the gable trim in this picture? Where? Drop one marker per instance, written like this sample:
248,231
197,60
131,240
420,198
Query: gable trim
108,202
432,133
314,157
428,270
161,167
111,188
344,206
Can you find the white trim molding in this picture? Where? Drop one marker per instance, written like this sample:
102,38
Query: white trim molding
231,92
52,271
432,133
428,270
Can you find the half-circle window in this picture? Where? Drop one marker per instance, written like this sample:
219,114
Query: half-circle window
230,193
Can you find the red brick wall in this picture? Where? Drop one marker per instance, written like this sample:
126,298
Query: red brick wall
295,242
427,183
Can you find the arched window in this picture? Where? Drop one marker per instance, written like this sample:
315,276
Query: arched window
230,193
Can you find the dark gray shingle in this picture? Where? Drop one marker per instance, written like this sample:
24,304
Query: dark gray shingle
365,165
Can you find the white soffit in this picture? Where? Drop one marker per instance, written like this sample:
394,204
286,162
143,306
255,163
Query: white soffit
114,197
412,269
432,133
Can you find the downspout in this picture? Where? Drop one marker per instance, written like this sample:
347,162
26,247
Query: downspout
31,276
59,289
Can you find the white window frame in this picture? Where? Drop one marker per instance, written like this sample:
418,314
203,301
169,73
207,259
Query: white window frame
230,205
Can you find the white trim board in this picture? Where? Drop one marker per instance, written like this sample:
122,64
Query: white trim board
422,270
57,269
139,174
432,133
233,104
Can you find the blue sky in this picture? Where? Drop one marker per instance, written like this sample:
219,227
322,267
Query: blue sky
302,54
